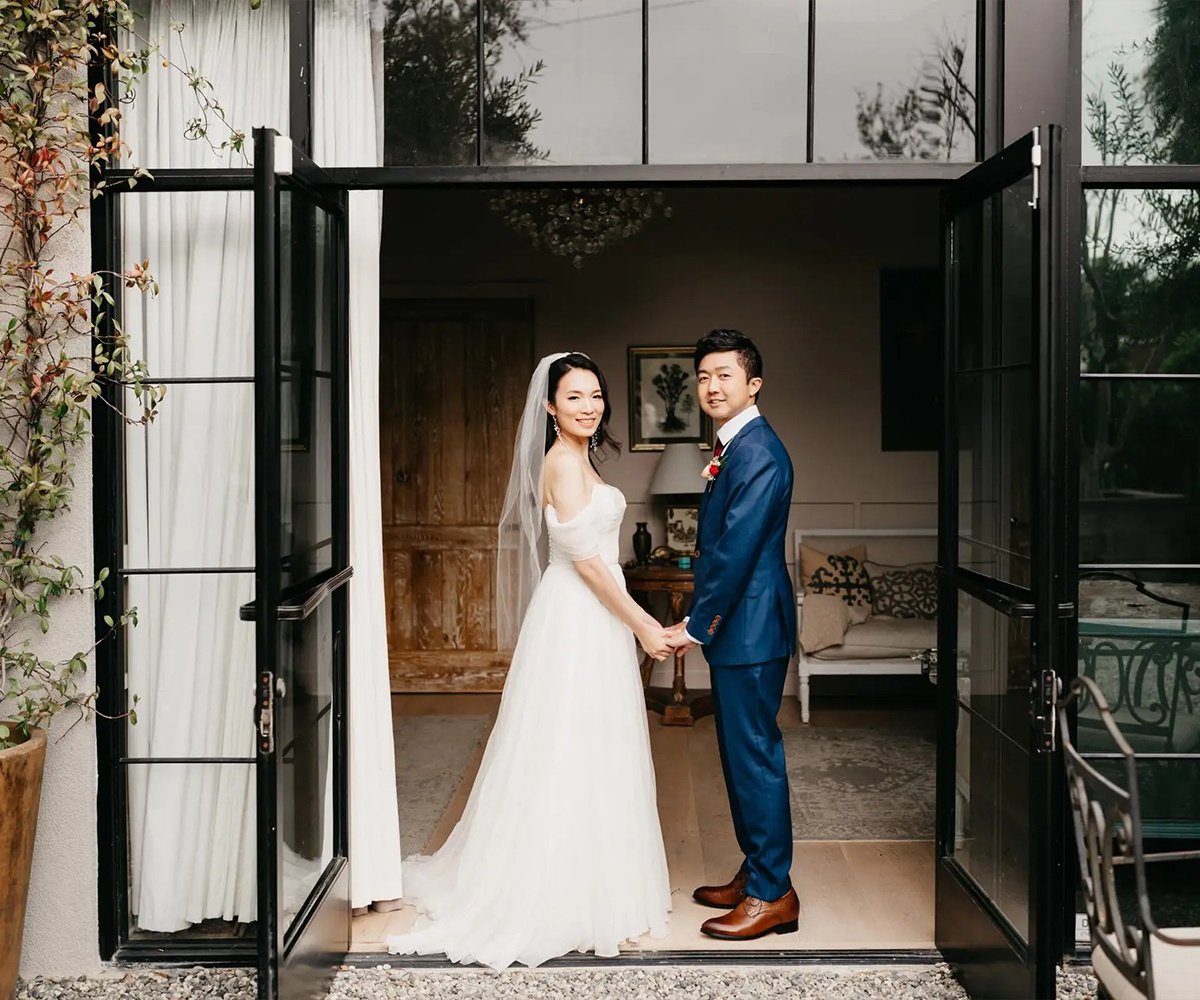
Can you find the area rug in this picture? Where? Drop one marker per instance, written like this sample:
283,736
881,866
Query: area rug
432,755
860,784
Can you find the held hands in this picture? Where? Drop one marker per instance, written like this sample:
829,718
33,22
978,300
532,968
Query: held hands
677,638
653,638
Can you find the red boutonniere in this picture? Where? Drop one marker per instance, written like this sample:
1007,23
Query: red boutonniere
713,468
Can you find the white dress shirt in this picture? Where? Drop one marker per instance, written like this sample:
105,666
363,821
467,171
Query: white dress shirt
726,434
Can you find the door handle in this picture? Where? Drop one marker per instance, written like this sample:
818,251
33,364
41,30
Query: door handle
301,605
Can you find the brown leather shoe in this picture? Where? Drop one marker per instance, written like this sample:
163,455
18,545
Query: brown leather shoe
723,897
752,918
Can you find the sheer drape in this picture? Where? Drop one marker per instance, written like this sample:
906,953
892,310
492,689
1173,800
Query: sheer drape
347,131
189,477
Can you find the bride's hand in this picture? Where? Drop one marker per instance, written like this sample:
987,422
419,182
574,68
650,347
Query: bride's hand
653,639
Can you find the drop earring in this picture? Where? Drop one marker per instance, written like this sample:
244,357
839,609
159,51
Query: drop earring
595,441
557,432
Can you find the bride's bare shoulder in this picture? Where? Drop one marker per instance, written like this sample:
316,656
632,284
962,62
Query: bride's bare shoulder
565,482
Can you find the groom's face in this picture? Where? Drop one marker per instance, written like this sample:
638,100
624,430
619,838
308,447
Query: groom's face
724,388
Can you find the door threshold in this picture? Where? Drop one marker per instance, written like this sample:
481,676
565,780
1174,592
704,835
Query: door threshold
654,959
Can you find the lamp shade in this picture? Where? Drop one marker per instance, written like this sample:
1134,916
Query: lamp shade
678,471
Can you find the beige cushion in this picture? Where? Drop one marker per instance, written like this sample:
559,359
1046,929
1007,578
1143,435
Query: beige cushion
813,559
823,622
843,574
1175,969
882,638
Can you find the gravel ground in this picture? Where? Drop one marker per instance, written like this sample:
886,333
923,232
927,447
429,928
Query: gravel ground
930,982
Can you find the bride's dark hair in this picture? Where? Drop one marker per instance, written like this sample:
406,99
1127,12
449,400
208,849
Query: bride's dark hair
560,368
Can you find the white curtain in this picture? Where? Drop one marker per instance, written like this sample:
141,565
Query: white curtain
348,131
189,475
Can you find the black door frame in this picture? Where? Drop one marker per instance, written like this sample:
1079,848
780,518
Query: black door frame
296,960
116,943
995,953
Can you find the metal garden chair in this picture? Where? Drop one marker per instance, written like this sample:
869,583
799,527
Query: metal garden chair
1132,961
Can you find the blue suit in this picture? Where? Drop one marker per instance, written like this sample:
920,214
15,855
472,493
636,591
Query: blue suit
744,613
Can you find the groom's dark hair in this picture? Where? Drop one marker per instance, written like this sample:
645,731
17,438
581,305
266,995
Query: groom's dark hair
716,341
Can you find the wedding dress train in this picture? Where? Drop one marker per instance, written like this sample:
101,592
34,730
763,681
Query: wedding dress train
559,848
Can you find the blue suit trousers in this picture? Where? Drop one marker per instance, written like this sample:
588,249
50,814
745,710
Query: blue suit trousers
746,702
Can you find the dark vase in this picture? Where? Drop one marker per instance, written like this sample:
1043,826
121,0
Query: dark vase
641,543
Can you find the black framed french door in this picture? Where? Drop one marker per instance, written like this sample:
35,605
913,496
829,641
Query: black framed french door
302,565
1005,607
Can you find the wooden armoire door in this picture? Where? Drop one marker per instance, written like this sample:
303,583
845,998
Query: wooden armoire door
453,375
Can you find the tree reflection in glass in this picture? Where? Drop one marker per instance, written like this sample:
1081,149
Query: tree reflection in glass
1140,306
1141,81
431,98
895,80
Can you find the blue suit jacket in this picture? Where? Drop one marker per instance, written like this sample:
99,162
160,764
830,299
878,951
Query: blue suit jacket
744,608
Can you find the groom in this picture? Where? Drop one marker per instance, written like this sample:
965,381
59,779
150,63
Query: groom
744,615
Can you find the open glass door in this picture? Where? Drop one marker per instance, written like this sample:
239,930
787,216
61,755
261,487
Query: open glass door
301,510
1004,610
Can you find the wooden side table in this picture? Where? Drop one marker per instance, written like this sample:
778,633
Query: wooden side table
676,706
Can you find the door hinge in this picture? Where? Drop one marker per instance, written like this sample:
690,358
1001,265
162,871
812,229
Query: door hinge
1035,157
266,711
1045,714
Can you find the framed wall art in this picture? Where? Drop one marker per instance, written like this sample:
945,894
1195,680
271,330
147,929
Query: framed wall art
664,405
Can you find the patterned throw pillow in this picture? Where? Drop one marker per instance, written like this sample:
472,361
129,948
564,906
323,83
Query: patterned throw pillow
842,576
905,591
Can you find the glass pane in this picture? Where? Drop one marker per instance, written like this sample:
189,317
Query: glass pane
304,745
430,102
1140,82
995,667
728,81
1140,308
190,664
895,79
1139,471
241,57
992,759
564,82
1148,671
307,304
995,495
995,281
189,479
191,850
199,248
1139,639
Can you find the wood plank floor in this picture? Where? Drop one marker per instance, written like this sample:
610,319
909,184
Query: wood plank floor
855,894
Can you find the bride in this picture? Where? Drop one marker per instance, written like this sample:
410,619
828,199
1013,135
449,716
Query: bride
559,848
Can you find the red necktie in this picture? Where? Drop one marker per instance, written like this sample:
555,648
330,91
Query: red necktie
718,448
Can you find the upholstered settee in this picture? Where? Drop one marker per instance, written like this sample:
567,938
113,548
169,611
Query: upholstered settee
866,602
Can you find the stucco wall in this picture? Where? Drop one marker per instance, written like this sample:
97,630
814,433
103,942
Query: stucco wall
61,925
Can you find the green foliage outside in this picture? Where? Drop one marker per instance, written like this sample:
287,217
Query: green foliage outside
1141,270
430,57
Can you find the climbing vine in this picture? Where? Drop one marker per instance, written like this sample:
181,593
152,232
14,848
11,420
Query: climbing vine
58,341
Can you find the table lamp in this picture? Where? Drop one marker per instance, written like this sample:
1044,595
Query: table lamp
678,482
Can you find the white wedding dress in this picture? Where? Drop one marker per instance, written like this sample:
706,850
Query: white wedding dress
559,848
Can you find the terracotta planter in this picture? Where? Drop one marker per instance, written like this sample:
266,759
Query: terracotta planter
20,793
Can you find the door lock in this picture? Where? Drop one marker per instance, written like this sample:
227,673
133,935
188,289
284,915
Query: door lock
1045,720
266,711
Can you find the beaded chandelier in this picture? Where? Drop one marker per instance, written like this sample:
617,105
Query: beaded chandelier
578,222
